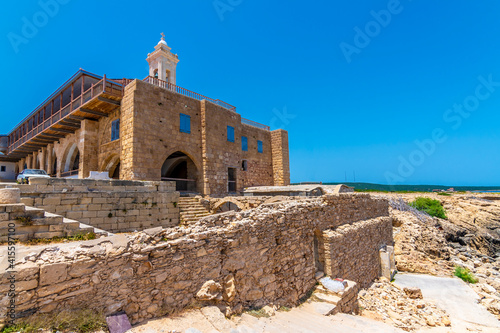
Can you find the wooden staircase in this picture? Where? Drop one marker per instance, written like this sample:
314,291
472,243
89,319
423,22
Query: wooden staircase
191,210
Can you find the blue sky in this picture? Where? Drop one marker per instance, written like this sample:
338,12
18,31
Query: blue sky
408,63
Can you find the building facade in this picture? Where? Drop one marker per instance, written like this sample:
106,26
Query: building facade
148,129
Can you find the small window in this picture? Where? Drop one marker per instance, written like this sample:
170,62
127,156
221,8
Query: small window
244,143
3,168
185,123
230,134
260,146
115,130
244,165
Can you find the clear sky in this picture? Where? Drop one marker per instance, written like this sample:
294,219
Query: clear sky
398,92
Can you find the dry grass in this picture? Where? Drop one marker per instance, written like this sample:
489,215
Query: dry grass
83,321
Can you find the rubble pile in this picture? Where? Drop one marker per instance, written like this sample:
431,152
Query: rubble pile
429,245
403,308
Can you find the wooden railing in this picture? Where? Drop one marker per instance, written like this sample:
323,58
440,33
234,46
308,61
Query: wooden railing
109,87
187,185
69,173
255,124
186,92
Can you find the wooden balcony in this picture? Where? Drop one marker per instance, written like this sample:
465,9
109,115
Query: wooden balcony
83,96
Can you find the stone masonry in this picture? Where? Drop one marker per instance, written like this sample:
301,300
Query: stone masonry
250,258
114,205
141,134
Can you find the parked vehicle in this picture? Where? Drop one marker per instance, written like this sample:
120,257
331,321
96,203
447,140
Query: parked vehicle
24,176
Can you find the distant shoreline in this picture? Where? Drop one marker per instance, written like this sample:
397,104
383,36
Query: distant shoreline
412,188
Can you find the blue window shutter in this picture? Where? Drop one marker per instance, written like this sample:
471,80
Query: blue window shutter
260,146
230,134
185,123
244,143
115,130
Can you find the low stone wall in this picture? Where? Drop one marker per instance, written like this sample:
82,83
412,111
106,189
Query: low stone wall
111,205
244,202
234,260
361,240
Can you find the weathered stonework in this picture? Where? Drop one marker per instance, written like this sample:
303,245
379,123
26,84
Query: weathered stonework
260,256
152,145
114,205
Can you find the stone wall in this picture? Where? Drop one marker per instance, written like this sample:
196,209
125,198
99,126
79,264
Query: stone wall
244,202
114,205
251,258
359,240
150,133
281,159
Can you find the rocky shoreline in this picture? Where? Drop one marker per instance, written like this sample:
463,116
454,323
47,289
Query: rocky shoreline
469,238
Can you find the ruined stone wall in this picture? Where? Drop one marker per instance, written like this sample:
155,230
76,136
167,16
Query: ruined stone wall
359,240
245,202
251,258
114,206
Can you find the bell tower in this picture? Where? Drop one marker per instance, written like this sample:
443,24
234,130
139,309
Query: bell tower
162,62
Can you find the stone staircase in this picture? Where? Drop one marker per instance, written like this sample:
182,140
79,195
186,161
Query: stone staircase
191,210
30,222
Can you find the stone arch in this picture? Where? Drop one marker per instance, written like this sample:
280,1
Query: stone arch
112,166
182,168
71,158
219,204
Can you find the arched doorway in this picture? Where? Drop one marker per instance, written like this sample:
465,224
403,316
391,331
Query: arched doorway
227,206
180,168
72,163
112,166
116,172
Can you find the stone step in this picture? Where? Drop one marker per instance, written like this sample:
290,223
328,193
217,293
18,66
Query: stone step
193,208
71,224
29,212
187,211
194,215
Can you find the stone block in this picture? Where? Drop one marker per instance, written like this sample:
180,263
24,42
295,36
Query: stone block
53,273
10,196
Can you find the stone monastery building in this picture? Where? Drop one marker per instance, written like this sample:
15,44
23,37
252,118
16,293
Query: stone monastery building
147,129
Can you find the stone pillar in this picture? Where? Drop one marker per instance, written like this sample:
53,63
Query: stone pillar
281,160
88,147
29,161
161,71
49,159
204,186
43,157
387,262
127,165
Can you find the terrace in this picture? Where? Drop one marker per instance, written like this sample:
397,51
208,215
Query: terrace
83,96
